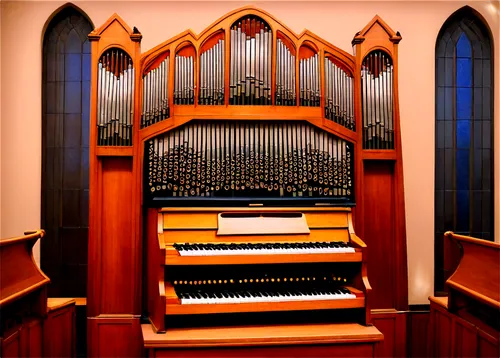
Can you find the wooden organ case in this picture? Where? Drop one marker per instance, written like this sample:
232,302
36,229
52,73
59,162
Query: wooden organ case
236,176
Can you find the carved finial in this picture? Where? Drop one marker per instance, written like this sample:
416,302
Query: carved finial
398,34
136,31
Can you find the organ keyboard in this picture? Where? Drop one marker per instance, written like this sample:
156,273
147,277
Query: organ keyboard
198,249
259,259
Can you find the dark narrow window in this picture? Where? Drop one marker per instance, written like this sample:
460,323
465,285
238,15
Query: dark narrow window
464,135
65,152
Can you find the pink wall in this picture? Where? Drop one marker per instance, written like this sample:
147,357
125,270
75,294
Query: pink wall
337,22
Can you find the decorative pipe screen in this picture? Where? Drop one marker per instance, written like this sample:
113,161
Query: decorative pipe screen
249,159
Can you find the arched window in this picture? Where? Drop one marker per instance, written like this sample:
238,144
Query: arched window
65,152
464,134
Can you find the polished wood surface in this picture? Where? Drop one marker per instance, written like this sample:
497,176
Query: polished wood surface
59,328
417,331
466,323
478,273
173,258
23,297
450,335
19,273
260,335
55,303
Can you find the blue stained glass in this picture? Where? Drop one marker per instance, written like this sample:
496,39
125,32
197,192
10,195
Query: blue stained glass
463,209
463,134
464,72
462,169
463,46
464,103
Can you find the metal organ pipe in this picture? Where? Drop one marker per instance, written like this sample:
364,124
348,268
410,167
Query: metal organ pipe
309,81
250,62
260,159
212,75
115,94
285,75
339,101
184,80
377,101
155,106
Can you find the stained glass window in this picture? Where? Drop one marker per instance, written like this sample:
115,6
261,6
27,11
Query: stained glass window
65,152
464,134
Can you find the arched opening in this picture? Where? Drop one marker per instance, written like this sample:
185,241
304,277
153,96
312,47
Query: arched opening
65,151
464,136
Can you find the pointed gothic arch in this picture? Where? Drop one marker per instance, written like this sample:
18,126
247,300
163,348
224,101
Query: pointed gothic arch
65,149
464,135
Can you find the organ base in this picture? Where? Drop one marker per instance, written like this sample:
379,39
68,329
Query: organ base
305,340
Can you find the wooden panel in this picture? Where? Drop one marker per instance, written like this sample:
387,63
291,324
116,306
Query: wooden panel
260,335
11,344
443,324
60,330
379,232
488,346
32,340
207,236
392,324
208,220
464,339
450,335
114,337
117,261
340,350
478,274
417,332
176,259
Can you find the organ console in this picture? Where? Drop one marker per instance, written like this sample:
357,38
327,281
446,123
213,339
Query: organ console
237,164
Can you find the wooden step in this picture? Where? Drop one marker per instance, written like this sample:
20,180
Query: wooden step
260,335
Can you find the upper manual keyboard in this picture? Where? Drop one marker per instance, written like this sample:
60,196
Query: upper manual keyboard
192,249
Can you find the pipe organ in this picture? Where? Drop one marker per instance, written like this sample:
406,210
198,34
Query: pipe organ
240,186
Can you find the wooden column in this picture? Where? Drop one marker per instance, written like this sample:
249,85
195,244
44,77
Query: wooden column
115,271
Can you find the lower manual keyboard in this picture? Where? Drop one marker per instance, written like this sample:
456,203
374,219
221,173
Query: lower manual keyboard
227,297
193,249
